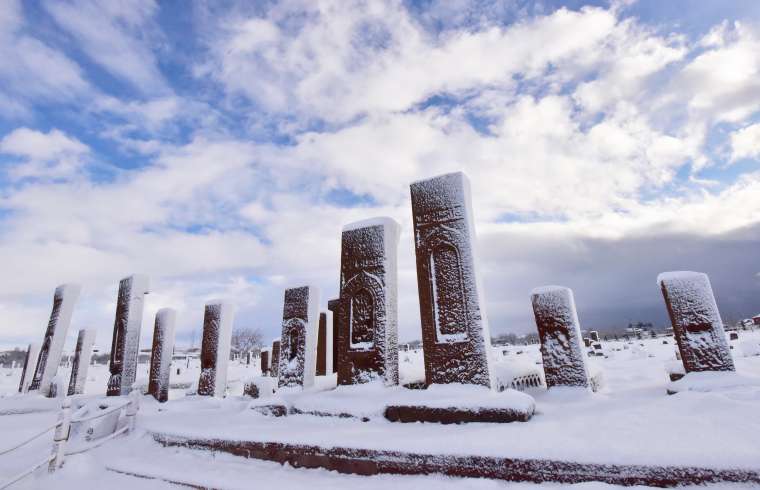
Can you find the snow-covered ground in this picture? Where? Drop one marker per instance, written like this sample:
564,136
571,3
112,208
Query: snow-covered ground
630,420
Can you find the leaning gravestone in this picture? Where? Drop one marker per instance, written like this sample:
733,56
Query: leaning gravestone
161,354
333,306
276,358
455,334
298,343
697,326
52,346
82,355
368,325
29,362
322,345
215,349
126,334
560,335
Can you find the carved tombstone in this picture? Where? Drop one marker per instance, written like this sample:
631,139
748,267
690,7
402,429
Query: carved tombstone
697,326
298,344
82,355
52,346
161,354
560,335
264,362
322,345
455,334
29,362
215,349
594,336
368,322
333,306
275,359
126,334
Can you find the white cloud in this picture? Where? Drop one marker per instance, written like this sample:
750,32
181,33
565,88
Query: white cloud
51,155
745,143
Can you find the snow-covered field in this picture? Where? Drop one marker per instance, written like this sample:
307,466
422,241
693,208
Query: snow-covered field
630,420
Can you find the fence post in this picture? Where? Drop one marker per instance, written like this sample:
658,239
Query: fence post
132,408
61,435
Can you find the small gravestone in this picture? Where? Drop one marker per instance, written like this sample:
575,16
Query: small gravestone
52,345
126,334
298,343
264,362
455,331
30,360
215,348
82,355
560,335
368,322
333,306
697,326
594,336
733,336
322,345
161,354
276,359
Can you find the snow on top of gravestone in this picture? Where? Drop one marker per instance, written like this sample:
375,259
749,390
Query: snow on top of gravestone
224,304
550,289
167,314
450,174
140,281
69,290
385,221
679,275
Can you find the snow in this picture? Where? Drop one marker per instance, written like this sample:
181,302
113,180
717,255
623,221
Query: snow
127,325
389,224
301,369
163,347
217,343
85,341
30,362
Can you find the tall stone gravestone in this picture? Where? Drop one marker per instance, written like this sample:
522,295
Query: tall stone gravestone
560,334
52,345
298,344
368,322
215,349
161,354
275,358
455,333
126,334
82,356
333,306
697,326
30,361
265,362
322,345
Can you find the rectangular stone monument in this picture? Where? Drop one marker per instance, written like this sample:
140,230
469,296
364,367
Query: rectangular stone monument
560,334
455,333
215,349
322,345
275,359
161,354
30,361
265,362
594,336
82,356
368,322
49,358
298,344
126,334
697,326
333,306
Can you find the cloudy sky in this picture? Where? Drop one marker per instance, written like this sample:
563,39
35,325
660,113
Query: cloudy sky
220,147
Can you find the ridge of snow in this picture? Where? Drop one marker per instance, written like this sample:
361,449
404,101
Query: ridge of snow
385,221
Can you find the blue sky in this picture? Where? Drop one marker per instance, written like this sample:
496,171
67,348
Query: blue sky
220,146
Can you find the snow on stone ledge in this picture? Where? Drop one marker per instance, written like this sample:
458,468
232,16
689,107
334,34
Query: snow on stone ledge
549,289
708,381
385,221
225,306
679,276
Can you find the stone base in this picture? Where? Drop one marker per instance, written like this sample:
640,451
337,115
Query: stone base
454,415
373,462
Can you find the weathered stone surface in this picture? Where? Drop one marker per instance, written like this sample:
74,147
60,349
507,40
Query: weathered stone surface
30,361
455,333
161,354
560,335
368,322
49,358
126,334
334,307
215,349
697,326
322,345
276,359
82,356
594,336
298,343
265,362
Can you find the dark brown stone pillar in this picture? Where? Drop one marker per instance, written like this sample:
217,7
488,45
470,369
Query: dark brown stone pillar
697,326
455,334
560,335
215,349
126,334
30,361
82,355
161,354
334,306
368,325
298,343
322,345
276,359
265,363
